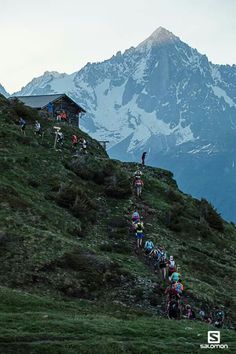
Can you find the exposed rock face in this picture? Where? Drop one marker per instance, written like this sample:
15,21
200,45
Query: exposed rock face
3,91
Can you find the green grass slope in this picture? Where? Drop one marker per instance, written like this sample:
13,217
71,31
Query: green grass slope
71,280
34,324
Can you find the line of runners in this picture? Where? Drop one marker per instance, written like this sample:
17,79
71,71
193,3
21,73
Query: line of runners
156,256
60,139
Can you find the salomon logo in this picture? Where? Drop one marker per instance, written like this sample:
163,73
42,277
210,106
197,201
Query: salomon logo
213,340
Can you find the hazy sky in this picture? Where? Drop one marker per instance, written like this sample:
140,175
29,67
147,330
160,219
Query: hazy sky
63,35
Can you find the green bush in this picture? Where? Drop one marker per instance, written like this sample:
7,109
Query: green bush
173,217
4,239
154,299
90,168
138,293
92,271
209,213
9,195
117,233
118,222
77,201
29,114
118,186
118,246
174,196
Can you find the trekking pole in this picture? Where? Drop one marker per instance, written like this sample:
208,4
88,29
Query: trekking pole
56,136
55,141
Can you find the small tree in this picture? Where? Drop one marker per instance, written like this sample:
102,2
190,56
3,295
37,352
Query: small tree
210,214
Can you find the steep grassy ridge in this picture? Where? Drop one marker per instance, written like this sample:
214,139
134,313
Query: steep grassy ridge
65,237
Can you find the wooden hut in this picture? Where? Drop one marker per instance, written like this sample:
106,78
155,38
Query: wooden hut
53,106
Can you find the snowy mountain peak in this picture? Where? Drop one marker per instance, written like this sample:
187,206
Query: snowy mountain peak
162,34
52,73
159,36
40,85
166,98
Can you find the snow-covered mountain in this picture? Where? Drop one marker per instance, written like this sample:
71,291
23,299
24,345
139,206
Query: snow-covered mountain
168,99
3,91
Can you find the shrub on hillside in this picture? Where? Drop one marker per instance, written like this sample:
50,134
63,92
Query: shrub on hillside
14,200
90,168
29,114
118,186
118,246
154,299
6,165
4,239
117,233
24,140
174,196
138,293
173,217
209,213
33,182
77,201
94,272
204,230
118,222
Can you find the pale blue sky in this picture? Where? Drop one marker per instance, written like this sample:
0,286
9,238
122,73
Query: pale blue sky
63,35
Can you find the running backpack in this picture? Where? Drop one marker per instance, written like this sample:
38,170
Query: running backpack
149,245
139,227
178,288
138,182
219,315
162,258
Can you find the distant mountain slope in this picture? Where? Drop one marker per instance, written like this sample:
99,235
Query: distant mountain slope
166,98
3,91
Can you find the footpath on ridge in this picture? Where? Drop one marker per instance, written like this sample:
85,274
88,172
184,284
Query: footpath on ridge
65,221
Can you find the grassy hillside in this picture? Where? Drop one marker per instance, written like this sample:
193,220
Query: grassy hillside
71,279
34,324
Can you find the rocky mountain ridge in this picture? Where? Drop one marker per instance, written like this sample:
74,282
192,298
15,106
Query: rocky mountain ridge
166,98
3,91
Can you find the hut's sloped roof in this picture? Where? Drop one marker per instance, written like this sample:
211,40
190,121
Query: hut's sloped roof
41,101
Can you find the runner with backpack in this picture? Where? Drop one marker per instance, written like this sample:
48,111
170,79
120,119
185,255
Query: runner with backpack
137,174
74,141
22,124
135,220
148,247
138,184
37,129
189,313
83,144
155,257
173,306
178,287
139,234
135,216
218,317
171,266
175,276
60,139
162,262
